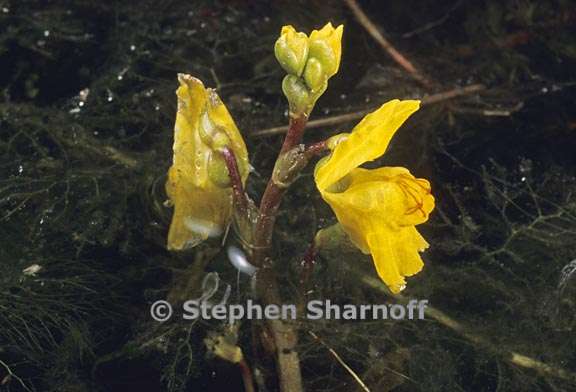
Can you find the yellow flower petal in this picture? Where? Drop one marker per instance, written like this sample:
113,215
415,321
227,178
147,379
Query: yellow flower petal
201,208
368,141
395,254
390,196
199,212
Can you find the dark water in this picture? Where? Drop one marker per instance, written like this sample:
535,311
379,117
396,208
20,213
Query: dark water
86,116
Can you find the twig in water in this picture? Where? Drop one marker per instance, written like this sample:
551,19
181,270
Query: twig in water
10,375
507,355
386,45
341,362
433,24
343,118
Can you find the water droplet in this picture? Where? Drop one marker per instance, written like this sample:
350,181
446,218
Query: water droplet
122,73
32,270
239,260
83,94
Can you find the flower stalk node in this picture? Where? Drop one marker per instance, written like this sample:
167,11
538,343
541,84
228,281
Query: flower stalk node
288,166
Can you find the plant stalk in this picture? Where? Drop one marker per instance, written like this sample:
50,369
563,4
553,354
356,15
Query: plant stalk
273,195
246,376
285,334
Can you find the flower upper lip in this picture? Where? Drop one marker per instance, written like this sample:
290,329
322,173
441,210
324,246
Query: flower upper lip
368,141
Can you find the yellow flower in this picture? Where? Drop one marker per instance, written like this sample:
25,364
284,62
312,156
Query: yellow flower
378,208
202,201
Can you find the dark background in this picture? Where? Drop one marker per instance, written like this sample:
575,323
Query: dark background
87,107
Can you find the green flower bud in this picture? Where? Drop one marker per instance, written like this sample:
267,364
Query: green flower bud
297,94
291,50
326,47
333,239
324,55
314,75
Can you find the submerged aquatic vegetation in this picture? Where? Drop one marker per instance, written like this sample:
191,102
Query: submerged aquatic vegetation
86,141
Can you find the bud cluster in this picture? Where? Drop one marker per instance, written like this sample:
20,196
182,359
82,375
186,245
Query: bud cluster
309,61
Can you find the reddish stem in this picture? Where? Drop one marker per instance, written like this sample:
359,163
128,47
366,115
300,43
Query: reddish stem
240,198
316,148
273,194
295,132
246,376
